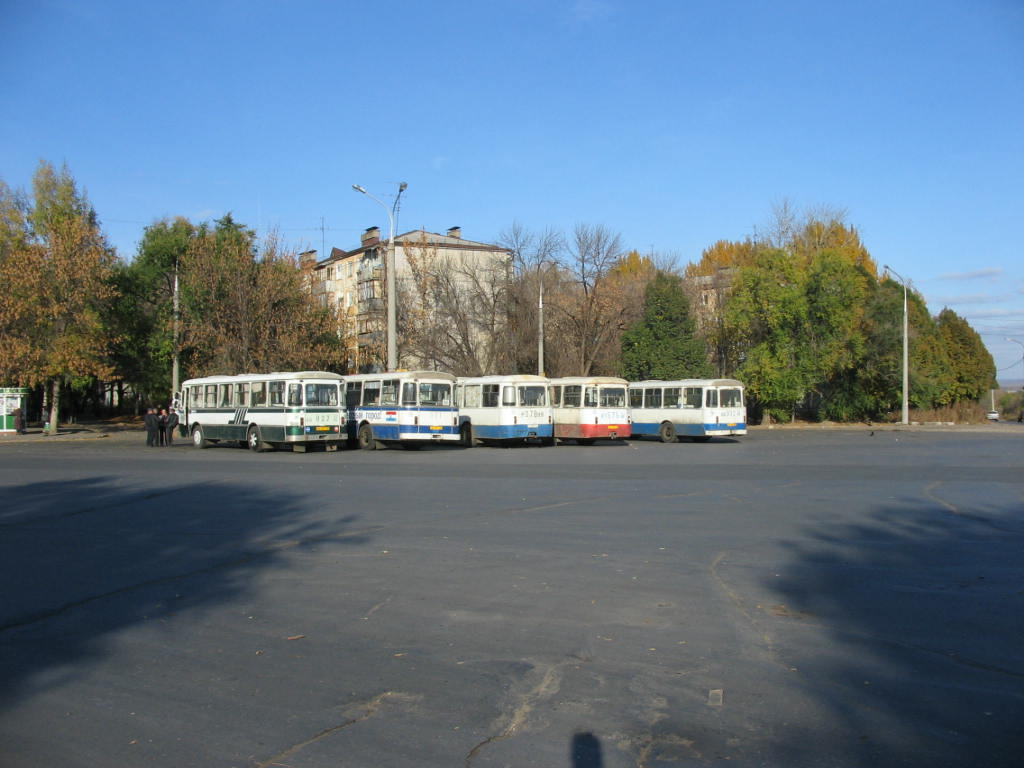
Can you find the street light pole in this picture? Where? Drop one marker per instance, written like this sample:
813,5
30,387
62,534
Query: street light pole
389,274
906,375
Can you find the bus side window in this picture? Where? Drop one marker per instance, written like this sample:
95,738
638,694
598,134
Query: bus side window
276,392
712,398
572,394
652,398
353,392
371,393
409,393
692,397
389,392
259,393
556,395
490,395
590,397
671,397
224,401
636,398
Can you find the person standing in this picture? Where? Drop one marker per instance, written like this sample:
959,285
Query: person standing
152,422
171,425
163,426
19,421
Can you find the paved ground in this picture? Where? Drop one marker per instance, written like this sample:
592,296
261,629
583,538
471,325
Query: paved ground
794,598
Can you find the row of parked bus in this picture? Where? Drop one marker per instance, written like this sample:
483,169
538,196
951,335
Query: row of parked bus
413,408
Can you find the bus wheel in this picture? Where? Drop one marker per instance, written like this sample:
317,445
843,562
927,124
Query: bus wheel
667,432
198,438
466,435
365,438
252,439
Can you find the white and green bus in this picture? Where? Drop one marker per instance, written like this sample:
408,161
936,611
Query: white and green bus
265,410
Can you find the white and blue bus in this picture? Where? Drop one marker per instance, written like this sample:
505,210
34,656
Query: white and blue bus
504,409
590,408
407,408
264,410
695,408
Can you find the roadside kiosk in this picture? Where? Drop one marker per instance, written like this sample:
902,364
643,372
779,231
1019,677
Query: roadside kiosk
12,398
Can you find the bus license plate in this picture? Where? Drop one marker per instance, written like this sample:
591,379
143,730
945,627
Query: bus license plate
436,428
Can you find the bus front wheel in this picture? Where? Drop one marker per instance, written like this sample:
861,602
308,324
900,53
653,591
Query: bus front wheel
198,438
667,433
365,438
253,440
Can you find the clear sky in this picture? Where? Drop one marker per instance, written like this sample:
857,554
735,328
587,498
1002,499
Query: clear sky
673,123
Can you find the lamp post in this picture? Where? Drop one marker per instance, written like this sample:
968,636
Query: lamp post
540,317
389,274
906,377
176,360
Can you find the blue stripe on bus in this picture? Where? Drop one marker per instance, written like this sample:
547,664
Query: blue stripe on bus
512,431
689,430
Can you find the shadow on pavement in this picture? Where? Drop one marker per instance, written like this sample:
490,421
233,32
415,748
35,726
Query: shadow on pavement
923,607
82,560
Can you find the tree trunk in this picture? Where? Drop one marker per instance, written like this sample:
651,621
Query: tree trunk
54,405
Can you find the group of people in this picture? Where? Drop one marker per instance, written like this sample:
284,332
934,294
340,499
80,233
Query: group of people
160,426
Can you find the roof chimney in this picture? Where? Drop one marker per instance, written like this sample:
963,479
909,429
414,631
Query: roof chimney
307,259
455,232
371,236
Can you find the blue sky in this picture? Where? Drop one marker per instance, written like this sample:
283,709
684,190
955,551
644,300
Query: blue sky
675,124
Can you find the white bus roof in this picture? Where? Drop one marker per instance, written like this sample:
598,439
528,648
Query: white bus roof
687,383
278,375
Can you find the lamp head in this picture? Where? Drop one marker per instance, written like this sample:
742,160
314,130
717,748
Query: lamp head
357,188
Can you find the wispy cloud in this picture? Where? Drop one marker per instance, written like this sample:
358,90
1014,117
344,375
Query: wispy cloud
591,10
997,313
968,298
978,274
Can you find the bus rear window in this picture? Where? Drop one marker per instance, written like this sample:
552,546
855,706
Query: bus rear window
435,393
732,398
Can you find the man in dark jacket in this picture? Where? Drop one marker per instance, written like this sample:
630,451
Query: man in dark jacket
171,425
152,423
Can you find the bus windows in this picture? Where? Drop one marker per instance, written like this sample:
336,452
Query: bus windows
321,394
389,392
652,398
613,397
259,393
490,395
276,389
671,397
590,397
636,398
692,397
556,395
210,396
371,393
294,394
409,393
572,394
508,396
224,395
531,395
731,398
711,401
471,396
353,392
435,393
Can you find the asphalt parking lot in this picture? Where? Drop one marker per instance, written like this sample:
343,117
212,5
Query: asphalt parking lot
791,598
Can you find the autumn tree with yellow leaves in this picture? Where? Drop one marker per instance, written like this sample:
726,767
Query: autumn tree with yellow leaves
56,275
